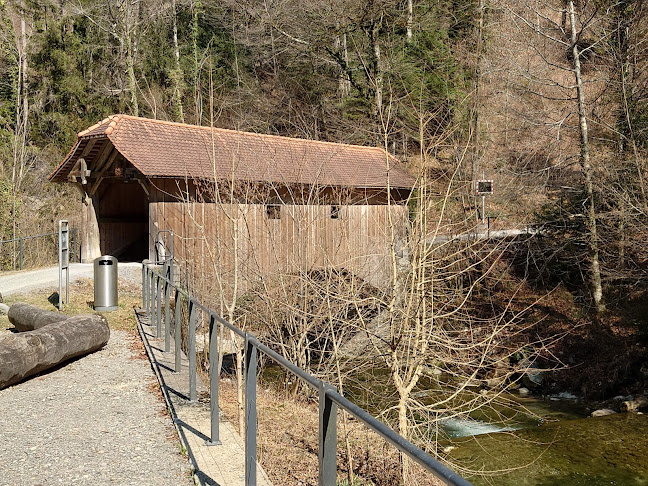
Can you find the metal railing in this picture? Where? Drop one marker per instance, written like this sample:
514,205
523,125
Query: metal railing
157,289
17,262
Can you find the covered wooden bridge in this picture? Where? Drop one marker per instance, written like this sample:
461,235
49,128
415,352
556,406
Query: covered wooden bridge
295,202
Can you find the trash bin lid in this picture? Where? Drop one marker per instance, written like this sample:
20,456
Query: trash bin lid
105,260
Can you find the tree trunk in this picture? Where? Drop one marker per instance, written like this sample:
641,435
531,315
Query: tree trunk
177,75
403,429
26,317
378,71
344,83
410,20
625,66
476,98
196,8
132,81
590,214
25,354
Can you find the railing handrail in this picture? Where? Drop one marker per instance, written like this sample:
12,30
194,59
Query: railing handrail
330,398
28,237
21,239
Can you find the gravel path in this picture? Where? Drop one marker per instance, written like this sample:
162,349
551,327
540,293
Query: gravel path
93,421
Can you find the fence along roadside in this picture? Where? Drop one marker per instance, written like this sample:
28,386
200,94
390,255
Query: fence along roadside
22,255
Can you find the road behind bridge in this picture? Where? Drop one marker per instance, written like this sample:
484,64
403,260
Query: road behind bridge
30,280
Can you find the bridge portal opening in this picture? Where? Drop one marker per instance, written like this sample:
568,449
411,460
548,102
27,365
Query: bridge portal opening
122,215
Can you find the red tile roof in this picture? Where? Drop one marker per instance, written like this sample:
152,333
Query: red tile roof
164,149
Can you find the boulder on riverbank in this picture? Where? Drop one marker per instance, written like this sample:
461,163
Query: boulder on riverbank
635,405
602,412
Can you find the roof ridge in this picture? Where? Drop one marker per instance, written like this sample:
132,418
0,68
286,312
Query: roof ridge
261,135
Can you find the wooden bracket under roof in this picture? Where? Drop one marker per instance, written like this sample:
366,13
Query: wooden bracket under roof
80,169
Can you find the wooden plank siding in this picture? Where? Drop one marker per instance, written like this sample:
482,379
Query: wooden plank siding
304,238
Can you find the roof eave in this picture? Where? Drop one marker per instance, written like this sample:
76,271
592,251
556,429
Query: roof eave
58,169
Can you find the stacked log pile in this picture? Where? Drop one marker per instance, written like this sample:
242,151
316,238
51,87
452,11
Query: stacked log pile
46,339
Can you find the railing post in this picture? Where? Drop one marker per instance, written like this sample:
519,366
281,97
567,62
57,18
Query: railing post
192,351
158,313
327,453
171,259
20,252
214,376
144,286
151,302
250,412
167,317
73,232
178,332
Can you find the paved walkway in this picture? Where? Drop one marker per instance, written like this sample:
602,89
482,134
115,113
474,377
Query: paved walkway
214,465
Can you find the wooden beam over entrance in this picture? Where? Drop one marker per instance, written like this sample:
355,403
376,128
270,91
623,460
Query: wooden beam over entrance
105,167
81,169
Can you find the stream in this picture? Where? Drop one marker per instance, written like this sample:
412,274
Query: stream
566,447
528,441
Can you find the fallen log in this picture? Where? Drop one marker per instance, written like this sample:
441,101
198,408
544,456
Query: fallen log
28,353
26,317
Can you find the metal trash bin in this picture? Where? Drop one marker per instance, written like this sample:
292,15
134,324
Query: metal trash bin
105,283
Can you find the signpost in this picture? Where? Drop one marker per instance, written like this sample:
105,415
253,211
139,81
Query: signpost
64,261
484,187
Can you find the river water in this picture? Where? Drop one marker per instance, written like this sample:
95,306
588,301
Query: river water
610,450
532,442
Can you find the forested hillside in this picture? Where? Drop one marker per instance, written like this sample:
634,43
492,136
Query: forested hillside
547,98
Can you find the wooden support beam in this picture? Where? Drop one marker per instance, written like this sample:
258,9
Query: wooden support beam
102,157
80,169
88,148
144,186
109,162
90,243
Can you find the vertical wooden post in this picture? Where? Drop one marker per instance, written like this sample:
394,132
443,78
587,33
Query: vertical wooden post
90,247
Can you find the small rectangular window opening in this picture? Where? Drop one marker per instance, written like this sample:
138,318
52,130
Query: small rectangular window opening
335,212
273,211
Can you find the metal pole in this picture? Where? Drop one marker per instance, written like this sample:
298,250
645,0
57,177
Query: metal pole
74,233
483,209
151,302
158,313
67,280
327,438
167,318
192,351
250,413
171,260
143,285
214,373
178,332
60,266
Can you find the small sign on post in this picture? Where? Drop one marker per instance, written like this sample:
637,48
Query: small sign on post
484,187
64,261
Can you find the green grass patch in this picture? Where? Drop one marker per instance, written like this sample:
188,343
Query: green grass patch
81,302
